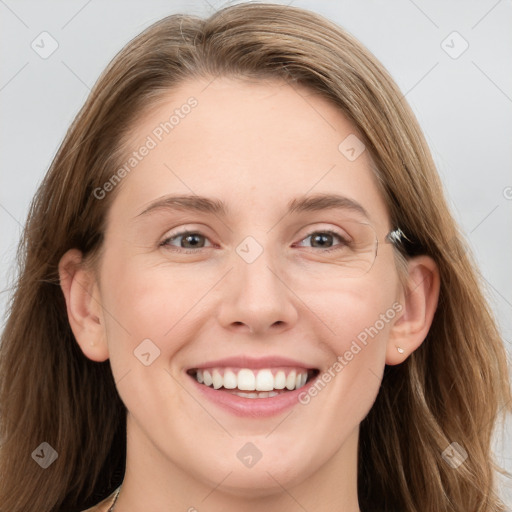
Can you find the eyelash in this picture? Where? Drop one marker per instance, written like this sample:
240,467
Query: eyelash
164,243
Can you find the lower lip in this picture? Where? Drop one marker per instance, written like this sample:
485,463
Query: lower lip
253,407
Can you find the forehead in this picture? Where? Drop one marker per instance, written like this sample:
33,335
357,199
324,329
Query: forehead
251,144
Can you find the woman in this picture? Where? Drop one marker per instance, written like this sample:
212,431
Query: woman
181,338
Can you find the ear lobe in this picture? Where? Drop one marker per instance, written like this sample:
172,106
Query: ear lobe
83,305
419,300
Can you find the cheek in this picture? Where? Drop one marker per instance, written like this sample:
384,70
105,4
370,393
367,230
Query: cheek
349,310
362,324
356,321
146,300
146,326
348,387
365,312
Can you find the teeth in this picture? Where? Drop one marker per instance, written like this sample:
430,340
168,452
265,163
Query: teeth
261,394
247,380
291,380
218,381
280,380
207,378
265,380
230,381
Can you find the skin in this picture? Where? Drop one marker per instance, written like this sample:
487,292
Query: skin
254,145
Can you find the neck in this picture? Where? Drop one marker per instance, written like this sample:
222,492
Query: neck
154,481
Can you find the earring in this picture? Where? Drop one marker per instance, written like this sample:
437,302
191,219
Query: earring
400,350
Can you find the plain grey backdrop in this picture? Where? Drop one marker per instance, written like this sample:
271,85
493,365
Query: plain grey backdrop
452,60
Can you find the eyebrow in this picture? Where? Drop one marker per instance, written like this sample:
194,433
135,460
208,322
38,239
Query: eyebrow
315,202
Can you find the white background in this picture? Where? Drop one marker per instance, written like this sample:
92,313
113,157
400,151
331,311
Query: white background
464,106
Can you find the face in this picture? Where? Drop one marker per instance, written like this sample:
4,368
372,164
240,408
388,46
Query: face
186,289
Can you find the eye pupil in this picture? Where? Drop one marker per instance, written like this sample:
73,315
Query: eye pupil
188,238
322,237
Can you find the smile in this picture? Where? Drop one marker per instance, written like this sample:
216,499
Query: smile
252,388
264,382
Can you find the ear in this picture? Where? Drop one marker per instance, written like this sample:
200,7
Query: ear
83,304
419,299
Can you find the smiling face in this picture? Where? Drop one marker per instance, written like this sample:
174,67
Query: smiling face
250,282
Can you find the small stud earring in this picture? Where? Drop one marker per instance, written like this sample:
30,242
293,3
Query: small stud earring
400,350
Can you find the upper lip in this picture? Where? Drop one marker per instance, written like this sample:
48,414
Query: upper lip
244,361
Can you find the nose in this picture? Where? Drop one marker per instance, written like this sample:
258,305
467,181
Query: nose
256,298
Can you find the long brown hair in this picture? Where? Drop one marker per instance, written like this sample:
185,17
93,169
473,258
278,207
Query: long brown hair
449,390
